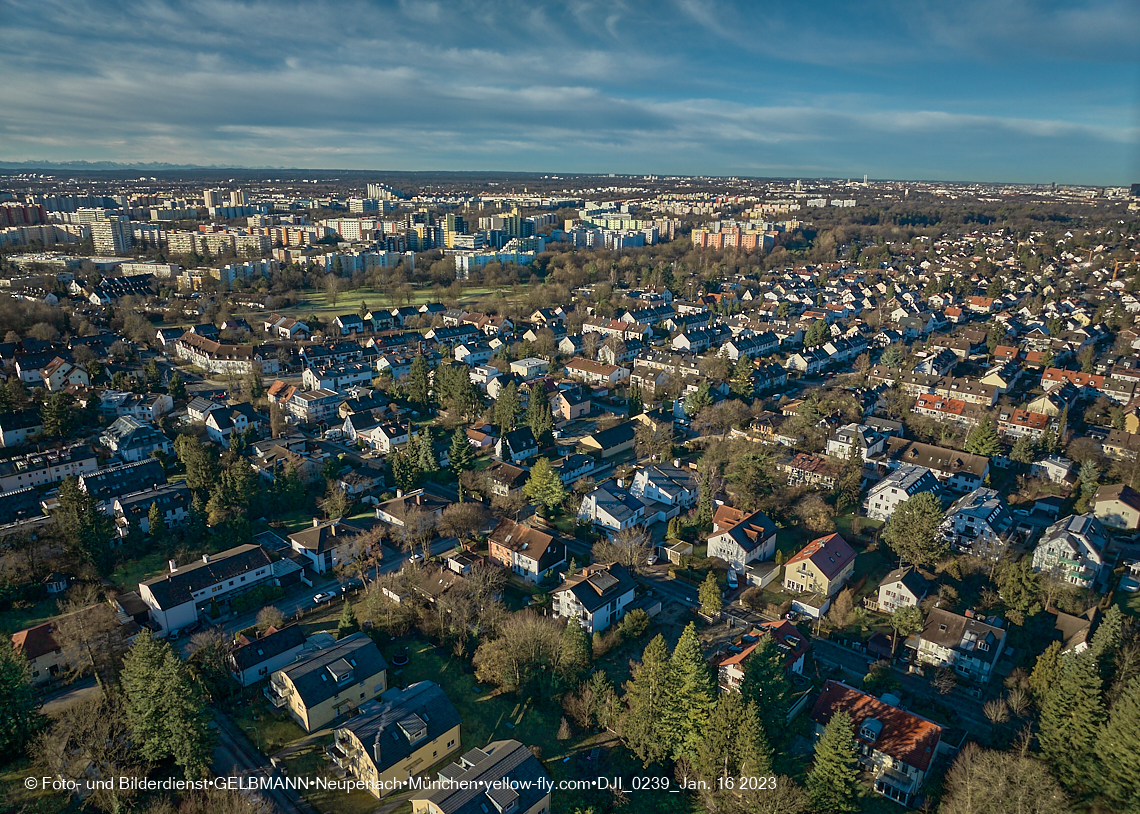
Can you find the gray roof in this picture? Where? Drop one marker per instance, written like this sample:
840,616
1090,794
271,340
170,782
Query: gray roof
352,659
909,478
395,725
104,484
268,646
476,786
178,586
595,586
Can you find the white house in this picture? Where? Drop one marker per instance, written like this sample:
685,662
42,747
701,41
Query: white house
597,596
740,538
173,599
1073,550
896,488
903,587
611,508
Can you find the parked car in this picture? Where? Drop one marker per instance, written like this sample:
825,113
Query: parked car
323,597
354,584
652,560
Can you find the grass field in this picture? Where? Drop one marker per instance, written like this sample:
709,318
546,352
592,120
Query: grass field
348,302
30,616
17,797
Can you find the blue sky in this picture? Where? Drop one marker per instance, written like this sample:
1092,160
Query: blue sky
1002,90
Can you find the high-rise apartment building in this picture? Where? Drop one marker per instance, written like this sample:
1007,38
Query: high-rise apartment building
363,205
213,197
111,235
237,197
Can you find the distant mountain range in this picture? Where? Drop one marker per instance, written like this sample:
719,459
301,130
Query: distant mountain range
115,165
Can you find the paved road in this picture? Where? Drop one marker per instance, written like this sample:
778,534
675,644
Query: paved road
61,700
235,757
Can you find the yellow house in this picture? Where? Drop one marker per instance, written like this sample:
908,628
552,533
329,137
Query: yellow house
822,566
503,777
402,734
45,658
330,682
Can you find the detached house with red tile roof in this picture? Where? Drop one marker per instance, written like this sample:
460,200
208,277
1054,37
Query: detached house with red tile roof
792,644
896,747
527,552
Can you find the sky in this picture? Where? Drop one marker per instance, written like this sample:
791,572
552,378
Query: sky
969,90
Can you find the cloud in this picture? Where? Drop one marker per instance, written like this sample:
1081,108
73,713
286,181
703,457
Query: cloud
699,87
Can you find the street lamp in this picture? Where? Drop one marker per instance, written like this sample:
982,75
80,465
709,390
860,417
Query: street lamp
257,736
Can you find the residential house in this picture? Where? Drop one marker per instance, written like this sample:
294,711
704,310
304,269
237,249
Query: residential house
599,373
173,599
574,467
958,471
611,508
666,484
504,776
791,643
321,545
899,486
517,446
568,404
812,470
1053,468
251,660
42,468
529,368
969,644
895,747
822,567
901,588
869,442
401,734
526,552
329,682
597,596
505,480
424,505
1073,550
1015,423
110,482
240,420
133,510
59,375
740,538
133,440
19,426
614,441
1117,506
978,523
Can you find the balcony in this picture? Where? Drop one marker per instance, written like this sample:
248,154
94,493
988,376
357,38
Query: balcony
275,694
338,753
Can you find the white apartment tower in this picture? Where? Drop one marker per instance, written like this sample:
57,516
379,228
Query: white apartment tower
111,235
213,197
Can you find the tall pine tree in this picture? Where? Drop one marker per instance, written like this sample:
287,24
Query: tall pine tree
765,684
983,439
507,408
693,694
647,693
834,774
1118,748
538,415
634,404
1072,714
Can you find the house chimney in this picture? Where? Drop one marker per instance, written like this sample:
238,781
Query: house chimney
399,493
316,522
376,749
205,558
172,564
676,463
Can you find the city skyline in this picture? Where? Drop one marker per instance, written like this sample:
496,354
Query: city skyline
1007,92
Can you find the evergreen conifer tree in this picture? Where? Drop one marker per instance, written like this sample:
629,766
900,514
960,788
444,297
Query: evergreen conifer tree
834,774
156,523
426,452
460,454
709,595
544,486
507,408
647,694
19,708
538,415
575,653
348,624
417,386
693,694
983,439
1070,718
1118,747
765,684
635,405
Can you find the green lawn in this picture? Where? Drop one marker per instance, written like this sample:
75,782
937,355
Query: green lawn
274,731
30,616
348,302
129,574
1129,602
